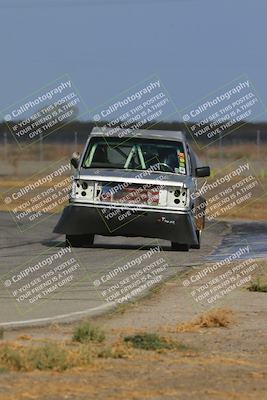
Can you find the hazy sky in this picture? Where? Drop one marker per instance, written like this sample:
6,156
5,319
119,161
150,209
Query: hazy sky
195,46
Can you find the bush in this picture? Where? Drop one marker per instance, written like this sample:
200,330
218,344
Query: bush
257,287
152,341
85,333
11,358
50,356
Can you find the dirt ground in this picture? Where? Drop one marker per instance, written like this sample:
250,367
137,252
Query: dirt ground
217,363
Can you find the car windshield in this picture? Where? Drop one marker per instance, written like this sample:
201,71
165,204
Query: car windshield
135,154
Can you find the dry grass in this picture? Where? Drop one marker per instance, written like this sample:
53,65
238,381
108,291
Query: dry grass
55,151
51,152
258,286
88,344
221,317
24,337
49,356
255,210
236,151
64,355
217,318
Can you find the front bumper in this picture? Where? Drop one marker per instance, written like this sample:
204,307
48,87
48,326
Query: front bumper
119,221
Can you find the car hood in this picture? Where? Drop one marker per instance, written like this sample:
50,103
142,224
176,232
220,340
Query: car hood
118,175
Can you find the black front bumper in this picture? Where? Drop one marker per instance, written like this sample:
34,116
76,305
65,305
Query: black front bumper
113,221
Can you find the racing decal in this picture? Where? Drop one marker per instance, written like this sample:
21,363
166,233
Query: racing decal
166,221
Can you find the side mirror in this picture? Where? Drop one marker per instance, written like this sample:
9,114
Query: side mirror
75,160
201,172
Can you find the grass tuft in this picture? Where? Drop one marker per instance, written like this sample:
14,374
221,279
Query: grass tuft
220,317
11,358
152,341
86,332
48,357
217,318
257,287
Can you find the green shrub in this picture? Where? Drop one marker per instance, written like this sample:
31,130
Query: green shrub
152,341
47,357
11,358
85,332
257,286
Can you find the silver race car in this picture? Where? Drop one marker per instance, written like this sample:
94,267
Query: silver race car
142,183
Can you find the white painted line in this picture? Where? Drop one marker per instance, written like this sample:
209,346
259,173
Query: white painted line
58,317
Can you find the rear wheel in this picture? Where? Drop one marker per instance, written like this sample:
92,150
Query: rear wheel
197,246
80,240
180,247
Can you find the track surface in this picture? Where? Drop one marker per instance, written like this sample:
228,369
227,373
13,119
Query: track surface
81,299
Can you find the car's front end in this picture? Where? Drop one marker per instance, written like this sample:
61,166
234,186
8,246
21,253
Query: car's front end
139,186
130,205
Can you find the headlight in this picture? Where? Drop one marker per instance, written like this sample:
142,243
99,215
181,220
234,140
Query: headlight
83,190
177,197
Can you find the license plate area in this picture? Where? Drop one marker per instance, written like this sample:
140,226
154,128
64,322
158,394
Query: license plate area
125,193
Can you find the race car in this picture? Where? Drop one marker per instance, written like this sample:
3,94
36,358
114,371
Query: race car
141,183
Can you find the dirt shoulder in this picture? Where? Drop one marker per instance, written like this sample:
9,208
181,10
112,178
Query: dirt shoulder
224,362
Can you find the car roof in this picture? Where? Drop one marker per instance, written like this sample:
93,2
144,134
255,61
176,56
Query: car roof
147,134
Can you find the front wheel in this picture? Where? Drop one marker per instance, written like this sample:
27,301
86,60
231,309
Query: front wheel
180,247
80,240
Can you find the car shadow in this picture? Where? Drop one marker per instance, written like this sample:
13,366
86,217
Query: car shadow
107,246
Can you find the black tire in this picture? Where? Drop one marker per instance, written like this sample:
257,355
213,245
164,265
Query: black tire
180,247
80,240
197,246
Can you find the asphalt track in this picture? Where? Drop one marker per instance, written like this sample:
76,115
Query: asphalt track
83,297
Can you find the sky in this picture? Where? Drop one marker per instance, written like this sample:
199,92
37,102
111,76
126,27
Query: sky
106,46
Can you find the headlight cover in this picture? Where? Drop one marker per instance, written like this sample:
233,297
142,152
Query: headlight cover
177,197
82,189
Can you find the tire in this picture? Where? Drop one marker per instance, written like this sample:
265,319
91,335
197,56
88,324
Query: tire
179,246
197,246
80,240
